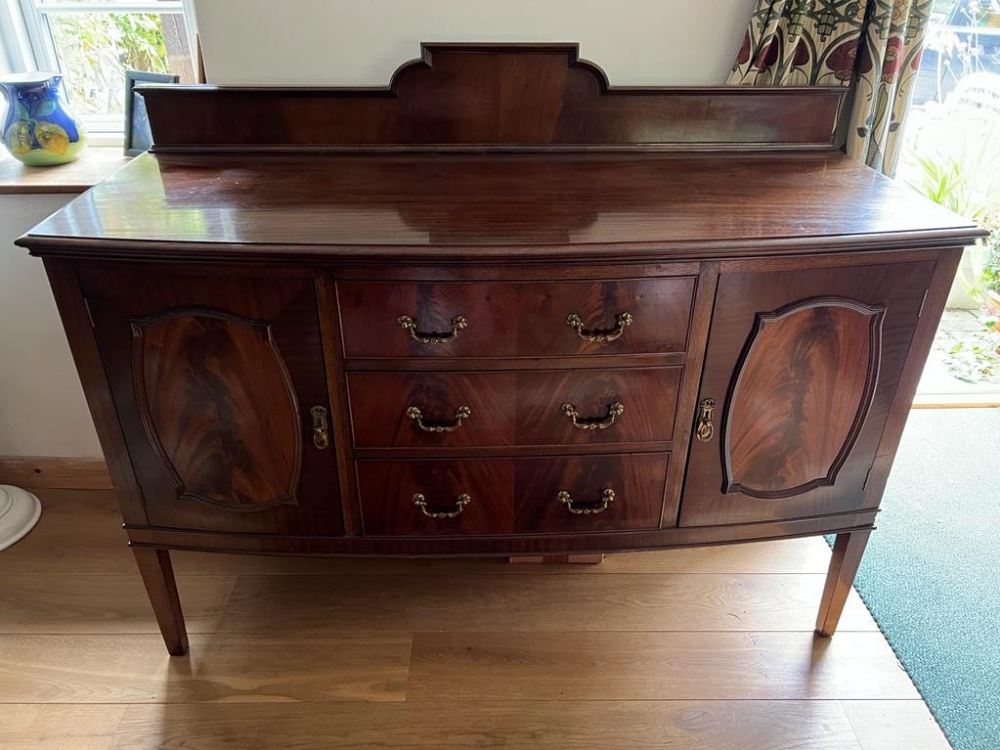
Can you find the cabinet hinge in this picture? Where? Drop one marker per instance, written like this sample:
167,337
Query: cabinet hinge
90,315
922,303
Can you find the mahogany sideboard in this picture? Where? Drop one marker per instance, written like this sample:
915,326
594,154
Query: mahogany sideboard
496,308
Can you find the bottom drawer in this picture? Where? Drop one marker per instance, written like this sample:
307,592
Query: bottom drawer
577,494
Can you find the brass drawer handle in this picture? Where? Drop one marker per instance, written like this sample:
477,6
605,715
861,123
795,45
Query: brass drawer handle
705,429
457,324
460,502
607,497
622,321
321,434
593,423
462,412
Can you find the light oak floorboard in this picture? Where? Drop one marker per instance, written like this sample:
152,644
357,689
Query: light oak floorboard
103,604
35,727
654,666
79,533
610,725
292,606
137,669
81,667
881,725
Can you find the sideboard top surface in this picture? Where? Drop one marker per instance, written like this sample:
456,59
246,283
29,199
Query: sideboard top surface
428,206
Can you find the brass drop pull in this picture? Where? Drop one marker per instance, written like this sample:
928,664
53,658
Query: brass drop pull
462,412
457,324
460,502
705,429
321,434
593,423
607,497
622,321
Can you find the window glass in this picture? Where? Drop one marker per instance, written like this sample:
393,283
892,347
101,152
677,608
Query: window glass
94,50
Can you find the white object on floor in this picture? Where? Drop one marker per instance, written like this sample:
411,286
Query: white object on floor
19,512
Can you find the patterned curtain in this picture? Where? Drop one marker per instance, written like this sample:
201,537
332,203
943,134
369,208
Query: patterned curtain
873,46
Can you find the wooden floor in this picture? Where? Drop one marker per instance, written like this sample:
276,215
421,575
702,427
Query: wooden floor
692,649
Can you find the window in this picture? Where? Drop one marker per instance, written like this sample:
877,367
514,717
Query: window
93,42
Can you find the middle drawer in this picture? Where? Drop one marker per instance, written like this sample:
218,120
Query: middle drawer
499,409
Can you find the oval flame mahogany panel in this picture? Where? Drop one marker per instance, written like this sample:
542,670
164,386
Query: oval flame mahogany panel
800,396
217,404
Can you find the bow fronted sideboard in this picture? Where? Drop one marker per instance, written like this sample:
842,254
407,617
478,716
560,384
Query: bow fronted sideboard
497,308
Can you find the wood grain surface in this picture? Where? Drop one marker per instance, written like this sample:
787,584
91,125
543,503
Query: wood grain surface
708,499
380,400
648,395
135,669
636,480
550,641
491,94
53,549
387,490
519,207
94,165
811,370
547,602
232,370
218,404
513,409
539,725
31,472
589,666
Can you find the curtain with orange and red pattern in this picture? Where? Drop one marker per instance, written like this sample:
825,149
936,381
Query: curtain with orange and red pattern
873,46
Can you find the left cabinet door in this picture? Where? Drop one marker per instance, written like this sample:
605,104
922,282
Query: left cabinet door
215,377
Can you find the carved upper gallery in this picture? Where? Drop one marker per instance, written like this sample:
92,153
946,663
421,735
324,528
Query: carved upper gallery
492,97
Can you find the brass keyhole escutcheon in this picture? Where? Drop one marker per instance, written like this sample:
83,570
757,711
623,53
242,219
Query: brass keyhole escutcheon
321,433
705,429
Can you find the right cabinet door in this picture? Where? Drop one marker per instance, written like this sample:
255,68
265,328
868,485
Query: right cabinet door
800,372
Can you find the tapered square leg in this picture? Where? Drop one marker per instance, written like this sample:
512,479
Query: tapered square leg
158,576
847,551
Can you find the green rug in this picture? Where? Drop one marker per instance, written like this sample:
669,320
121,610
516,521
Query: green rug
931,573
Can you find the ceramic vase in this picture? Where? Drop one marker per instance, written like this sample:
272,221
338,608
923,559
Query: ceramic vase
39,128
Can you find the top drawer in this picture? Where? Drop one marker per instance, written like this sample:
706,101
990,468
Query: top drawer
537,319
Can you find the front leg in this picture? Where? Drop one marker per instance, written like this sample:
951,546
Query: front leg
158,576
847,551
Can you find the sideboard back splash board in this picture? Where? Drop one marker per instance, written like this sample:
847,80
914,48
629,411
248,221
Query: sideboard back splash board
507,311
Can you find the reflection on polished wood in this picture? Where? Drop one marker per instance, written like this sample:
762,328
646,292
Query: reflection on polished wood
666,205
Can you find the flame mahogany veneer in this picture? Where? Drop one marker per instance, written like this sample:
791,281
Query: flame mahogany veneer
496,308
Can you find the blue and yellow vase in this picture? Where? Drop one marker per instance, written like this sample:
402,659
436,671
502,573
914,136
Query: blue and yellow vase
40,129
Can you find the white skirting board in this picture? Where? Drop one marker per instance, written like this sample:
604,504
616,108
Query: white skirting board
19,512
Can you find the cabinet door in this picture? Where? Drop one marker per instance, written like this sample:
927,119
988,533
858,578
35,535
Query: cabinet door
214,376
802,367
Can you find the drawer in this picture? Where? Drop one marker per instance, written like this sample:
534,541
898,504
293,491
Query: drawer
430,498
497,409
513,495
589,493
495,320
449,319
559,407
381,404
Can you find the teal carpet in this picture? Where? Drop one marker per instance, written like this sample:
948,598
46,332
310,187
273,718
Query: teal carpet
931,573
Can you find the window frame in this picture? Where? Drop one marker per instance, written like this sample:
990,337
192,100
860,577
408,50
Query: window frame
34,49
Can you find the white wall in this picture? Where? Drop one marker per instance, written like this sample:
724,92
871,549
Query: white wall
42,409
360,42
